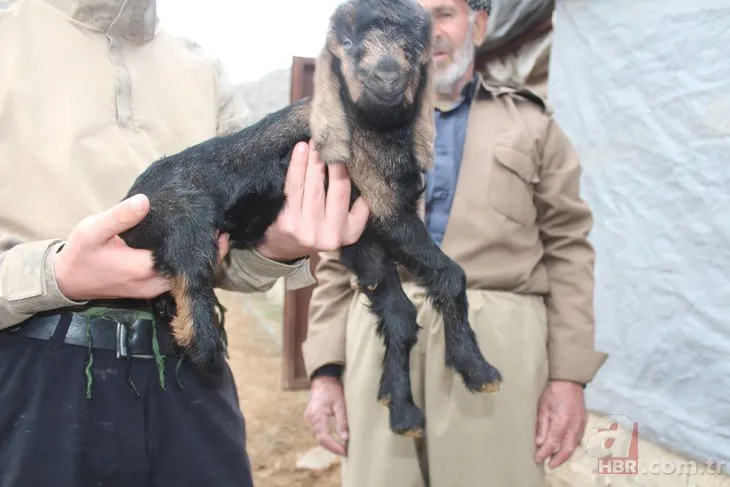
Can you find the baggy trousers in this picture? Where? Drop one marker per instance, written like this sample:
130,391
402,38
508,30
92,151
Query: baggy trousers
52,435
471,440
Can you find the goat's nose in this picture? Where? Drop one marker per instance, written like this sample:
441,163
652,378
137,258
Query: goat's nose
388,73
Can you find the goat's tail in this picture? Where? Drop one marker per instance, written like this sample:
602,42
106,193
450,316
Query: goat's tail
194,326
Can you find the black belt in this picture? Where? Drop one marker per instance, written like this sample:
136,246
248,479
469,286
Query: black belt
123,333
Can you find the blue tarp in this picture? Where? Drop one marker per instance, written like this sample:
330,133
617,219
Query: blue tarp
642,88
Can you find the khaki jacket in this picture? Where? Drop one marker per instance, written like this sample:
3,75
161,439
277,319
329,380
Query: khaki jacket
90,94
517,224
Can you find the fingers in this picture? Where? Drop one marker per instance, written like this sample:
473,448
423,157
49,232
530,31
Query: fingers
327,400
543,422
152,288
570,439
356,221
313,196
343,430
224,246
104,226
295,176
325,439
349,225
314,220
138,267
338,199
550,446
318,420
569,442
554,438
139,262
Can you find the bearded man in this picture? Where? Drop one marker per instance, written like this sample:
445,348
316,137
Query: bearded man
503,201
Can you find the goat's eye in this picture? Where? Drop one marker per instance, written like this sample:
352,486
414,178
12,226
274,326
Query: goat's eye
346,43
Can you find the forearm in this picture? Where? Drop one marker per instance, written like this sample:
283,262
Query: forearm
571,324
324,347
246,270
28,280
565,223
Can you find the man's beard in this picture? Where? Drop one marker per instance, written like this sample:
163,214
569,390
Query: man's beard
446,77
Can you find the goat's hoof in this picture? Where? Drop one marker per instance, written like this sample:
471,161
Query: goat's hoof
416,433
490,387
485,378
406,419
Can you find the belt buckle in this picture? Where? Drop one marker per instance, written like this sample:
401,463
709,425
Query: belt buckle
122,344
121,340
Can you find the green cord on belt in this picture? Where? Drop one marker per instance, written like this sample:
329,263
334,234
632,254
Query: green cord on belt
89,313
105,312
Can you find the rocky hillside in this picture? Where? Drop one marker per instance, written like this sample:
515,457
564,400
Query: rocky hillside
268,94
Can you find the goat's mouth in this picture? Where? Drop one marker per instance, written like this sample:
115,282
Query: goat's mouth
387,98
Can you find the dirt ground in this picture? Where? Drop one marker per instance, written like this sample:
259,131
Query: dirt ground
276,432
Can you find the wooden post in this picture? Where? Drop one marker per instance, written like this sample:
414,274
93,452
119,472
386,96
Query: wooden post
296,303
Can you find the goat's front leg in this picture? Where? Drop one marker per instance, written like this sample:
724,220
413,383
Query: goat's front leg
445,282
396,325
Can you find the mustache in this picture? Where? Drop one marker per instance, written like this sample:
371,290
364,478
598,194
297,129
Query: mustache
442,46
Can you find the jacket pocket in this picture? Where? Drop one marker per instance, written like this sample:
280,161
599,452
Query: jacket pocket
511,185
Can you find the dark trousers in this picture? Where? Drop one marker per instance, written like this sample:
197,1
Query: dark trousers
52,435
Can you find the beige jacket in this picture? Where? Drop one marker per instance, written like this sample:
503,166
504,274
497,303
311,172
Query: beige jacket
91,92
517,224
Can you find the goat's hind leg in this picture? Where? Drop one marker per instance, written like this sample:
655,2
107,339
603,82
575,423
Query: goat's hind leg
189,260
396,325
445,282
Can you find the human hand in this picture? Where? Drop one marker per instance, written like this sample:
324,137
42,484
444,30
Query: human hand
312,221
327,399
95,263
224,246
561,421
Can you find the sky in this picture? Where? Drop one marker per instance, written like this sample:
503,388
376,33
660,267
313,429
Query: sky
251,38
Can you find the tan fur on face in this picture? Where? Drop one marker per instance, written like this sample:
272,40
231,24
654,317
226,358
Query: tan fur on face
328,120
425,129
377,45
182,323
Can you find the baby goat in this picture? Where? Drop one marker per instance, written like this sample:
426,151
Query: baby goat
372,109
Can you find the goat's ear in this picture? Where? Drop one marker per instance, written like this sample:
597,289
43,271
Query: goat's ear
425,127
328,123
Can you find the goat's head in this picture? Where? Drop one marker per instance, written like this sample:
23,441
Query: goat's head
376,65
381,53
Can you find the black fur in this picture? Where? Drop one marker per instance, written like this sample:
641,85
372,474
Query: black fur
235,184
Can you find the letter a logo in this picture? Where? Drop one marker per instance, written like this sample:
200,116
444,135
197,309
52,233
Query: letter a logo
617,451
